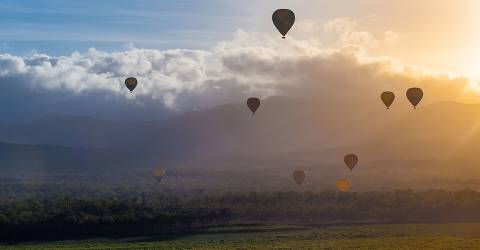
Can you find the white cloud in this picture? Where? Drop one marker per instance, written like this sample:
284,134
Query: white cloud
391,37
248,64
346,29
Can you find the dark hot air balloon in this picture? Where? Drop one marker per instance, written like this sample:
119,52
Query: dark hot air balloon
387,98
299,176
414,95
343,185
253,104
131,83
158,174
283,19
350,160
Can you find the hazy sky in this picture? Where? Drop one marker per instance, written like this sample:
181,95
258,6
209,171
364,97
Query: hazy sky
194,54
442,34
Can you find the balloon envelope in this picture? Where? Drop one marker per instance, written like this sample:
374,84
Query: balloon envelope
350,160
414,95
158,174
299,176
283,19
131,83
343,185
387,98
253,104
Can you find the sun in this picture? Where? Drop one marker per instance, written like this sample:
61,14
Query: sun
471,62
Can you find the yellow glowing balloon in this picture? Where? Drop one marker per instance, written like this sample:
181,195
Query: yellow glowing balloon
158,174
343,185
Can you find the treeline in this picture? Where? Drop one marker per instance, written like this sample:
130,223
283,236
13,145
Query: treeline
70,217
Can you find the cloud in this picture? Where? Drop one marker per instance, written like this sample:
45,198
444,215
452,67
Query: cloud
306,68
347,33
248,64
391,37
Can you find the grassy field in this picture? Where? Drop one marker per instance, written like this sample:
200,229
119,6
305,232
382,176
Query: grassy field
404,236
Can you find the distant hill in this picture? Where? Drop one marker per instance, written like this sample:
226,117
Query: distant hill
281,125
284,133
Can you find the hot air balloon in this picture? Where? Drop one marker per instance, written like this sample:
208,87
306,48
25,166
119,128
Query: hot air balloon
387,98
343,185
350,160
283,19
414,95
253,104
299,176
158,173
131,83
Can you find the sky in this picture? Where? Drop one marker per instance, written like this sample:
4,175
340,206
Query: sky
72,57
60,28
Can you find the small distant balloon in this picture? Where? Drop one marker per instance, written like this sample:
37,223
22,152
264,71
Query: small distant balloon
350,160
253,104
414,95
131,83
299,176
158,174
387,98
283,19
343,185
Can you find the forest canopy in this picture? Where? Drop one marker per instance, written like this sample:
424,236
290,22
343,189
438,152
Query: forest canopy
64,217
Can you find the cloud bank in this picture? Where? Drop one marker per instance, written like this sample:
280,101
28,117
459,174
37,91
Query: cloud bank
329,61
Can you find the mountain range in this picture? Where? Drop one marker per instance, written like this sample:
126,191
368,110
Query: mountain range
285,132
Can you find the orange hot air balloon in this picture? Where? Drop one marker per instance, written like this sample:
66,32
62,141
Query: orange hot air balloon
299,176
414,95
283,19
253,104
343,185
131,83
350,160
158,174
387,98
